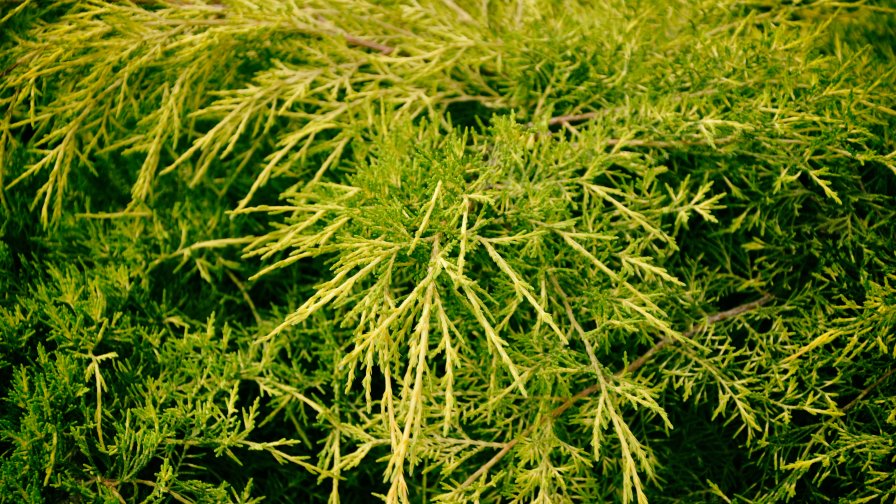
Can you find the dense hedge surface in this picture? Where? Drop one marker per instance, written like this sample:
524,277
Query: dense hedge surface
447,250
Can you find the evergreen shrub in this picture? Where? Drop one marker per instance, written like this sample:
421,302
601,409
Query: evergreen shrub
447,251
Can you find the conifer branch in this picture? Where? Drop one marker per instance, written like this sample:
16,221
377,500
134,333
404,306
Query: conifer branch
867,390
174,495
567,119
629,369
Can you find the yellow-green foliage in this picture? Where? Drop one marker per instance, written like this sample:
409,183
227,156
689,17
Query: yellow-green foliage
447,250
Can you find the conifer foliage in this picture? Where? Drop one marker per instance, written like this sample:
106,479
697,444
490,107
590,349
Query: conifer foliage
447,251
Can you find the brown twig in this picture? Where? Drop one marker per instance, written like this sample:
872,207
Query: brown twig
662,144
864,393
354,40
110,485
571,118
113,485
174,495
9,69
631,368
370,44
587,116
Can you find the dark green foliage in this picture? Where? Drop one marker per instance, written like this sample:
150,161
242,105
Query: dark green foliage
507,251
